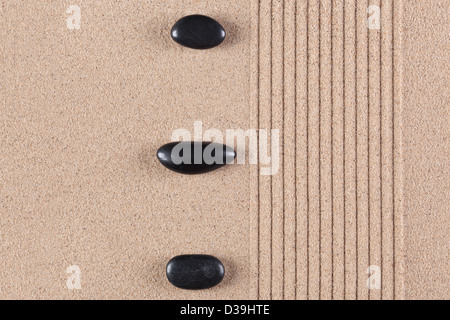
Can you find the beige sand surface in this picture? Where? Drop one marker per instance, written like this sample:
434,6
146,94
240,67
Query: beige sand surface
363,122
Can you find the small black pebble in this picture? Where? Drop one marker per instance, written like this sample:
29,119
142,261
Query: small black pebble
198,32
195,272
195,157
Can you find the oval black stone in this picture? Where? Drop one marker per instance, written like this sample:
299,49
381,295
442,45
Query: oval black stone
195,272
195,157
198,32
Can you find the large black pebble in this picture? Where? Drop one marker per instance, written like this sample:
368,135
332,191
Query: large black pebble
173,157
195,272
198,32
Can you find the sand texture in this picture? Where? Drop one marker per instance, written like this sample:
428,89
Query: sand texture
362,115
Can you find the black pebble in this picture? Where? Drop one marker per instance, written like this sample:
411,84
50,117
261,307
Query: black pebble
200,157
195,272
198,32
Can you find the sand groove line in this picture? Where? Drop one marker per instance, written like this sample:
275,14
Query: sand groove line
382,182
